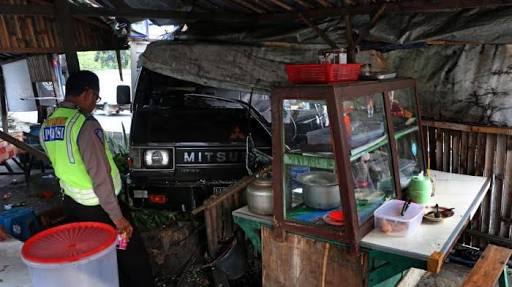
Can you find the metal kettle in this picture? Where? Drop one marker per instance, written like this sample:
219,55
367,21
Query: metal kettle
259,196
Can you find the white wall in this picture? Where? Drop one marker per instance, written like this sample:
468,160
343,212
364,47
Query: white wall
18,86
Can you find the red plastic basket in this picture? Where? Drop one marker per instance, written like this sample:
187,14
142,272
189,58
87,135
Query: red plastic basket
322,73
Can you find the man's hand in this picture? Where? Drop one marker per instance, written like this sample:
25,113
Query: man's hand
123,226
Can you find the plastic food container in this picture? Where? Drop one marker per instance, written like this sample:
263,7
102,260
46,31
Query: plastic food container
388,219
76,254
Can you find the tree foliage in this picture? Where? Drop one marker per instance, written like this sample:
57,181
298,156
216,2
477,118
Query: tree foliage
103,60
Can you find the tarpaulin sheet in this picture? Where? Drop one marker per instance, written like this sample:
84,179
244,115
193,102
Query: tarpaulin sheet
244,68
469,84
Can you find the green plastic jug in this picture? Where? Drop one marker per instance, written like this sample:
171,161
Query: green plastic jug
419,189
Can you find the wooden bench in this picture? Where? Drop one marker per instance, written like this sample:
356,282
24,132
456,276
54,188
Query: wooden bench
491,265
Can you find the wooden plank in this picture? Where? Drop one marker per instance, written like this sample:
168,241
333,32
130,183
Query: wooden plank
439,149
469,128
302,262
214,231
492,239
209,237
5,34
455,151
238,187
471,153
489,267
480,154
432,146
463,153
475,225
506,206
424,139
488,158
228,217
19,144
497,195
446,150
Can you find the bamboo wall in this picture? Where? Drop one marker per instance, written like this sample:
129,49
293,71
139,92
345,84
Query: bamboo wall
482,151
39,34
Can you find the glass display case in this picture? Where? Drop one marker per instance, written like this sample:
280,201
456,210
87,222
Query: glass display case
340,151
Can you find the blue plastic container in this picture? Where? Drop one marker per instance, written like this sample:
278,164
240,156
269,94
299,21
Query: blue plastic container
20,222
34,134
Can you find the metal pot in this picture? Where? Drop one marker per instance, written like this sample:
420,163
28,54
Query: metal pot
259,196
320,189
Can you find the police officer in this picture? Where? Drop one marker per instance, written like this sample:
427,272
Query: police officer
74,141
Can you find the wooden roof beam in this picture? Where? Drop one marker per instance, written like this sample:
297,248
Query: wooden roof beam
303,4
282,5
26,10
249,6
177,16
394,7
184,17
366,31
319,32
324,3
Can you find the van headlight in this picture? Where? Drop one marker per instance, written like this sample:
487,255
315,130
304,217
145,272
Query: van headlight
156,158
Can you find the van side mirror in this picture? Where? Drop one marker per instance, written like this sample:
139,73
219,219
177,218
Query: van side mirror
123,95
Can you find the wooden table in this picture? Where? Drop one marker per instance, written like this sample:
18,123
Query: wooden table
13,272
427,248
462,192
431,242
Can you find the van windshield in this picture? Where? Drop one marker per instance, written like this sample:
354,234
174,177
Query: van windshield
170,114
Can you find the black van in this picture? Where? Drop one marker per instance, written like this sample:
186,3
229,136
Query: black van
188,141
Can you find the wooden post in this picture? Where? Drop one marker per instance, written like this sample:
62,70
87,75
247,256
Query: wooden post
65,27
506,205
439,149
3,103
351,49
501,154
463,153
119,64
455,151
488,159
446,150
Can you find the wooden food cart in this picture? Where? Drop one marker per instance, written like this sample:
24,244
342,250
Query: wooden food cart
346,149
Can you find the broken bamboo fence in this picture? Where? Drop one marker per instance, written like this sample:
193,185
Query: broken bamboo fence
481,151
217,212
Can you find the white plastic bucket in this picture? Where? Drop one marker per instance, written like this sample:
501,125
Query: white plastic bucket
99,270
95,270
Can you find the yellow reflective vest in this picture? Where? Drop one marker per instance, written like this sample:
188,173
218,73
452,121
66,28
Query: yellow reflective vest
59,138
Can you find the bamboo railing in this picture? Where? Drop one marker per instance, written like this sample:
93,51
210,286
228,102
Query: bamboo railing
482,151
